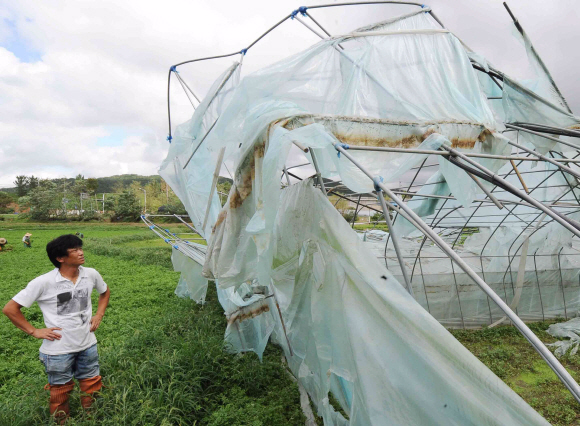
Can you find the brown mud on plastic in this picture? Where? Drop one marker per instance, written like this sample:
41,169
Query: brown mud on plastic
415,132
221,217
246,174
248,312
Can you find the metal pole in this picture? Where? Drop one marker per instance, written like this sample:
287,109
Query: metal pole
488,193
562,220
548,129
185,84
286,174
520,176
199,144
534,51
355,211
185,90
448,197
395,243
550,359
446,154
309,27
145,200
364,2
214,182
315,163
552,138
547,159
300,146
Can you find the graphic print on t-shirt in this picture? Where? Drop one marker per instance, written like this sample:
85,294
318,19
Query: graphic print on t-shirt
72,301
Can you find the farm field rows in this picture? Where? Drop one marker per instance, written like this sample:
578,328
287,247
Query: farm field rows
164,360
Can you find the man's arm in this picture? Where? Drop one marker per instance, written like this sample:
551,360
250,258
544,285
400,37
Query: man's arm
13,311
101,307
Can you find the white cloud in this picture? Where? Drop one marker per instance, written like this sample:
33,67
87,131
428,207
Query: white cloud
104,64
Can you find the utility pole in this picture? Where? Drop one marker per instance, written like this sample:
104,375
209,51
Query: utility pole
145,201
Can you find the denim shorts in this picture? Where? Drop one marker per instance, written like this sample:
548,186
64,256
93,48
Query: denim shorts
61,368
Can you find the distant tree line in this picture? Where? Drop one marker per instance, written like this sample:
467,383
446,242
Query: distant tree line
81,198
23,184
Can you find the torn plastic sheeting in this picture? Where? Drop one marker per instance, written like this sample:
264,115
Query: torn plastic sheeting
321,138
250,319
321,81
343,319
379,92
519,106
542,84
569,330
298,220
193,184
191,283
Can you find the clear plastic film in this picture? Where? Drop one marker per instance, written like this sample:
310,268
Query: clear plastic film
288,267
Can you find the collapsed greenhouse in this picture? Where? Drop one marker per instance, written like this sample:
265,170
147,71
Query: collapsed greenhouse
475,172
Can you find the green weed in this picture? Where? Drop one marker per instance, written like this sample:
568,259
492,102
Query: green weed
509,355
163,359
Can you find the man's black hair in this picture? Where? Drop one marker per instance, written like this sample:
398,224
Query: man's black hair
59,247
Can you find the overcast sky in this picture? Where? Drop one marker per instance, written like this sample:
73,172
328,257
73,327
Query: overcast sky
83,83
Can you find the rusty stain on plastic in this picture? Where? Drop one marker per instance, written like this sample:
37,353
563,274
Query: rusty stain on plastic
246,175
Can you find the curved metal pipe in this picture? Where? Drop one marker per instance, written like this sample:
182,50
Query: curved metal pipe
544,352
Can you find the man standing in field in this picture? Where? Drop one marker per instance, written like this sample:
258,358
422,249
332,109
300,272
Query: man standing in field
69,346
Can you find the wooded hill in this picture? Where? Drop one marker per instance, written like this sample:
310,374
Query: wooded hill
110,184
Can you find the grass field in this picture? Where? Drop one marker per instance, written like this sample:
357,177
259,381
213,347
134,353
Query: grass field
509,355
163,358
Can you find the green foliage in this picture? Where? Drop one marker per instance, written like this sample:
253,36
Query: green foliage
114,183
32,182
67,203
110,202
43,201
510,356
21,187
5,199
224,186
116,247
79,186
348,216
127,208
92,185
104,185
25,184
377,217
163,359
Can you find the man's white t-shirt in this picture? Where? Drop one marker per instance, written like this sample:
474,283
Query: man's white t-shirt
65,305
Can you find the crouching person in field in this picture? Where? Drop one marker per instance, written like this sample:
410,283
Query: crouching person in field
69,345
